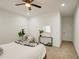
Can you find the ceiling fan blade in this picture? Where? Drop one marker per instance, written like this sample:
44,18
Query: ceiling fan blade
36,5
20,4
29,8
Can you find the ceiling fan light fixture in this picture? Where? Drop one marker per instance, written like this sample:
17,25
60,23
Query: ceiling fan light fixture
27,5
62,4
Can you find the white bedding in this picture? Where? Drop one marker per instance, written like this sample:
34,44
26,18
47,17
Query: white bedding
17,51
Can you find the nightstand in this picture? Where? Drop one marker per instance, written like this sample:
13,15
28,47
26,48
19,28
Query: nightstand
48,41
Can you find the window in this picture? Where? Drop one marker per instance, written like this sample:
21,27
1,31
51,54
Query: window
47,29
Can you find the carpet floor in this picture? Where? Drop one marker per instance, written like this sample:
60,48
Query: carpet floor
66,51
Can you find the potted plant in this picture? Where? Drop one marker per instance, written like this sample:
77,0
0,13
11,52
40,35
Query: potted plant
41,31
21,33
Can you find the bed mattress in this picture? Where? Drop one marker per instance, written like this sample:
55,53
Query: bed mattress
17,51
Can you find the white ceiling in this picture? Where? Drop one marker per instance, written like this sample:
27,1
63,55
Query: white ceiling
69,8
48,6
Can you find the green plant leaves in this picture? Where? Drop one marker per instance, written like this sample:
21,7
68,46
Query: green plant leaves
21,33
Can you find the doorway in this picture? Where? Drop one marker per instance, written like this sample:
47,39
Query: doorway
67,28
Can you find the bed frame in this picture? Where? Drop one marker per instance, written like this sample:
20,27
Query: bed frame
45,57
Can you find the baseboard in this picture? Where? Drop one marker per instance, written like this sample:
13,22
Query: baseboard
66,41
75,50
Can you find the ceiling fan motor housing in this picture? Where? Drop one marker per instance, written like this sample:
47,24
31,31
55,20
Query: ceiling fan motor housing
28,1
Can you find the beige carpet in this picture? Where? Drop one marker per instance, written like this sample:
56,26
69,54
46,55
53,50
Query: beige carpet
66,51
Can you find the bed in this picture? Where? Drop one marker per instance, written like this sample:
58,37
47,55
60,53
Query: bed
16,51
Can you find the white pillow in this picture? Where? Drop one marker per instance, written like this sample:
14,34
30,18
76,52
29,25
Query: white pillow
30,39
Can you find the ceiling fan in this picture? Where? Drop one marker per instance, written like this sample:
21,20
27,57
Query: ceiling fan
28,3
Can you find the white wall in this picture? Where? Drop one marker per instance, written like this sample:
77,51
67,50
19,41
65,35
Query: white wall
76,30
10,24
52,19
67,28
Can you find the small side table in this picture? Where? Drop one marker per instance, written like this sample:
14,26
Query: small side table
48,44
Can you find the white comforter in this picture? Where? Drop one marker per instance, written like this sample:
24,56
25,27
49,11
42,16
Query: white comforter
17,51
